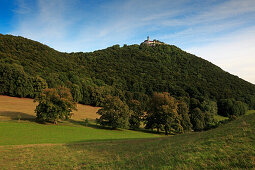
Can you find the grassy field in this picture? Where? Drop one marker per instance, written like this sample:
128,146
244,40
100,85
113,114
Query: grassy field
19,133
27,131
229,146
12,107
25,144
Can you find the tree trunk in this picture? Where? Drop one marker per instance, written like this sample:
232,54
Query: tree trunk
166,131
157,129
55,122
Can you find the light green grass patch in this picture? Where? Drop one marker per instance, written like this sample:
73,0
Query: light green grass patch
15,133
250,112
219,118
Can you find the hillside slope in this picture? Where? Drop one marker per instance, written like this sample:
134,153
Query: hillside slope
13,108
130,72
230,146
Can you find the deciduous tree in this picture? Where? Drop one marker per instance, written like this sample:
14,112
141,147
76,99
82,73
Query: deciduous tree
163,114
54,105
114,113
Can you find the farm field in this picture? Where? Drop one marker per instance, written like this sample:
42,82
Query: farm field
230,146
13,107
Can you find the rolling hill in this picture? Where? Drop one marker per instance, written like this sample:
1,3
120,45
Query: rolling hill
130,72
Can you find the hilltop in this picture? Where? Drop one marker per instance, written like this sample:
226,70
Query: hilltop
130,72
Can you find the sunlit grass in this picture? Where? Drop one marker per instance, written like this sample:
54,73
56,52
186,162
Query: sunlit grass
230,146
19,133
219,118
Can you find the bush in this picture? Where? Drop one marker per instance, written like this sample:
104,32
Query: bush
229,107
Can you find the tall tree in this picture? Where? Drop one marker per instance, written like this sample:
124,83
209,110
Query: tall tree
114,113
55,104
137,114
183,111
163,114
197,119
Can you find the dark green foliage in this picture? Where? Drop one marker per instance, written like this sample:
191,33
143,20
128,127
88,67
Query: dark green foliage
15,82
197,119
163,114
194,103
134,70
225,107
137,114
39,85
210,107
231,107
54,104
114,113
183,111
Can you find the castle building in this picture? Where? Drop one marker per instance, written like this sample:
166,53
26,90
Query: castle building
151,43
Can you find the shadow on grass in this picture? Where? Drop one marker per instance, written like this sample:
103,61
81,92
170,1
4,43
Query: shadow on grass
96,126
148,131
92,125
116,141
17,116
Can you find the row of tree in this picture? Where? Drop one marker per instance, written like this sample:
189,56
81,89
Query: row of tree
163,113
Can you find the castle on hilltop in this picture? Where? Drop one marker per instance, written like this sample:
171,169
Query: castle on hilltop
151,43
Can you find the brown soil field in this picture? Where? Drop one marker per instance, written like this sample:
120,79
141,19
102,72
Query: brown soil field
13,108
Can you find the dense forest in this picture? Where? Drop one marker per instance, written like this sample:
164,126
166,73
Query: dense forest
131,72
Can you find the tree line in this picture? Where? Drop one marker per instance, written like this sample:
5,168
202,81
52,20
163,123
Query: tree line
163,112
131,73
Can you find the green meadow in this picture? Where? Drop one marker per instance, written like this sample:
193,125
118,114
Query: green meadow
230,146
20,133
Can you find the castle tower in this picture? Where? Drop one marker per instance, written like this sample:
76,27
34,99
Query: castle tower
148,38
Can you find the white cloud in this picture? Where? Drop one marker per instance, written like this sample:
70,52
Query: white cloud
48,21
234,53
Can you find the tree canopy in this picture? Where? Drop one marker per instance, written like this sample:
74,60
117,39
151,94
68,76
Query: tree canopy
114,113
54,105
163,114
130,72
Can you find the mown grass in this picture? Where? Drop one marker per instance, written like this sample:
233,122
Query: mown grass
19,133
230,146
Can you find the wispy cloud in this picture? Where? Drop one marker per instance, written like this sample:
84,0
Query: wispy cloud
22,7
234,53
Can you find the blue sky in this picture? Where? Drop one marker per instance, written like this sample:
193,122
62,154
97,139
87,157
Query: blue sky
221,31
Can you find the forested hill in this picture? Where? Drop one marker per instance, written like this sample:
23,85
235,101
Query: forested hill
130,72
